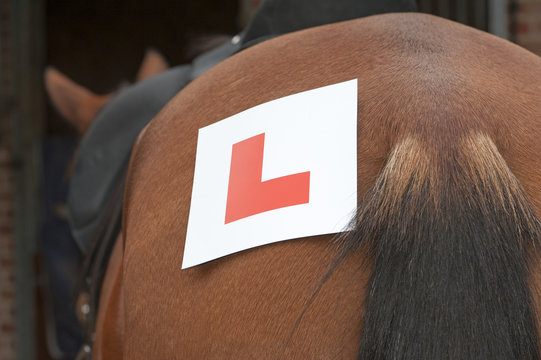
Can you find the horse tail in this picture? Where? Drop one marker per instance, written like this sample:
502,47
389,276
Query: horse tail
450,231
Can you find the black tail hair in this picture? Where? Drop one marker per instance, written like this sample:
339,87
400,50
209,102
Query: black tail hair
450,233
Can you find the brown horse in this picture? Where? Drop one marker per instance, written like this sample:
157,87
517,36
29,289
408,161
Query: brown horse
442,262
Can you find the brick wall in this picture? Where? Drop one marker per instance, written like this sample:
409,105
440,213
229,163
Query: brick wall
7,277
7,252
528,24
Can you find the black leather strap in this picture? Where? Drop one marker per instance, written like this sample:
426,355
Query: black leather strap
97,258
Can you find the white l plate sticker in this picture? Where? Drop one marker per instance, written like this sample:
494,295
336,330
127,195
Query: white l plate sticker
281,170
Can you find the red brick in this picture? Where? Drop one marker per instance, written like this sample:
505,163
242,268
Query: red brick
530,6
6,196
6,328
7,294
5,263
533,47
7,213
522,28
6,229
7,250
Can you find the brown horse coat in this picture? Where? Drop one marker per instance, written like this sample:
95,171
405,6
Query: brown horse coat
427,86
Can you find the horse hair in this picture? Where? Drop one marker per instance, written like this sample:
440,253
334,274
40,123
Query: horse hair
451,236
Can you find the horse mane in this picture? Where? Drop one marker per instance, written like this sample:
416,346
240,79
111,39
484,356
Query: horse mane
449,232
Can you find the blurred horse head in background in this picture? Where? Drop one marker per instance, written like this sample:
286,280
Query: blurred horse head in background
78,105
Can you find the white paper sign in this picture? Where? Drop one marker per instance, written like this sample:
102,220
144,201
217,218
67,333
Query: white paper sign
281,170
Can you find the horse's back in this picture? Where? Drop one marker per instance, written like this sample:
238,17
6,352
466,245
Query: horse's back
418,76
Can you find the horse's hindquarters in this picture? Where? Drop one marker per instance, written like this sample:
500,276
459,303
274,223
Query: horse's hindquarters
419,77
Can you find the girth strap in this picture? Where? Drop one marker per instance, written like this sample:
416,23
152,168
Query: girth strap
96,262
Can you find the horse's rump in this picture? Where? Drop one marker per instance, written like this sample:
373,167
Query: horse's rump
441,107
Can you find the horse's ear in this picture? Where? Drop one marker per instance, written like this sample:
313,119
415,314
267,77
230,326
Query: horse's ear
153,63
75,103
